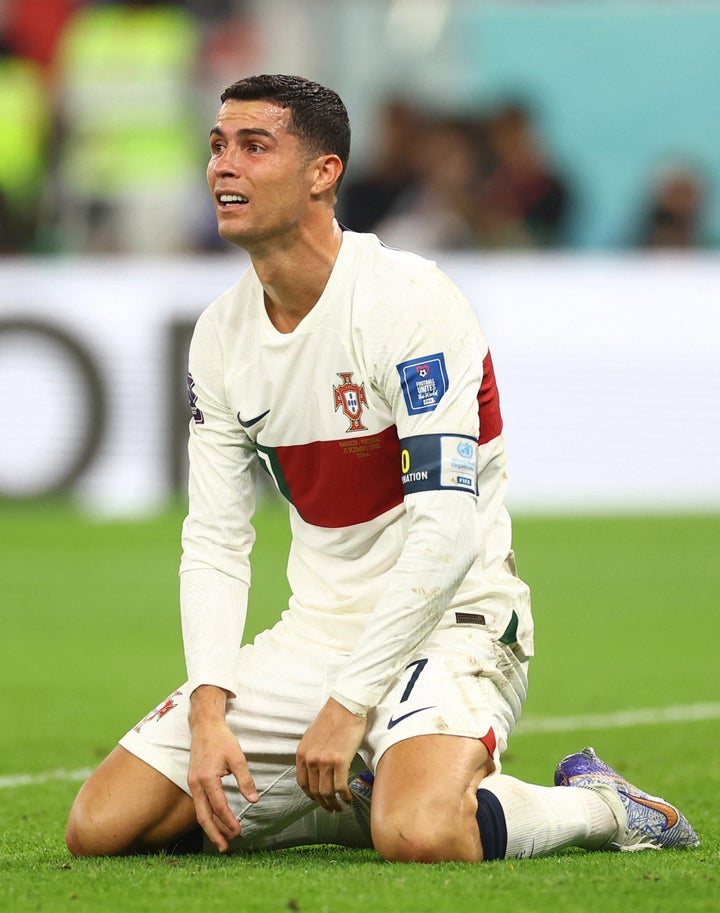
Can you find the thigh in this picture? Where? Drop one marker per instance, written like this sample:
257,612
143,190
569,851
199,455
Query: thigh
126,806
429,771
424,799
282,684
288,682
461,683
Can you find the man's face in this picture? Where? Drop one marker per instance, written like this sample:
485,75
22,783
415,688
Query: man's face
257,174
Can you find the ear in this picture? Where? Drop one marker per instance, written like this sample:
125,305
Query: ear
328,169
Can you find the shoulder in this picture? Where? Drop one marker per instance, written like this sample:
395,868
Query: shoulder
400,282
230,312
233,304
395,262
218,325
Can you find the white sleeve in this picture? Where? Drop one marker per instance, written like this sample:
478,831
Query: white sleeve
212,602
441,546
441,346
217,534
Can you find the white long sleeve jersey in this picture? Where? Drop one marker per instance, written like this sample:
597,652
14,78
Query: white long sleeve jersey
378,419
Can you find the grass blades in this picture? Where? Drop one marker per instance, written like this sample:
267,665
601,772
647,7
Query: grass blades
626,612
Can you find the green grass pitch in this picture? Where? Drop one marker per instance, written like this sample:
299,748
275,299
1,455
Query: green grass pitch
627,620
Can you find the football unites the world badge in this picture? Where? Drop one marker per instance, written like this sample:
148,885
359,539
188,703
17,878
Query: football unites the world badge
424,382
350,398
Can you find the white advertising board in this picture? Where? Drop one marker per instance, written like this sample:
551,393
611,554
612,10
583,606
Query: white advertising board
608,368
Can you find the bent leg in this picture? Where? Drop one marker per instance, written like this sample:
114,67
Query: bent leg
424,802
436,799
127,807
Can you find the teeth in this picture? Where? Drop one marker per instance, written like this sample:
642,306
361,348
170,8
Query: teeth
232,198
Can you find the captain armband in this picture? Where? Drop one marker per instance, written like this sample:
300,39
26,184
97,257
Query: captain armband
438,462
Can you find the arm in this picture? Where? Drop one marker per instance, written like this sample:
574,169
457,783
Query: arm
215,753
215,576
441,546
440,384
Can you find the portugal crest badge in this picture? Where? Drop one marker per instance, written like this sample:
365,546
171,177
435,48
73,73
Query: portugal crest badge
350,398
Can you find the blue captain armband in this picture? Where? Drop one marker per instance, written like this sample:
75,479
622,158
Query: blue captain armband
438,462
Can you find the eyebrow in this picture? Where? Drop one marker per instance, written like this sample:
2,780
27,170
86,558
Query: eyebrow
244,132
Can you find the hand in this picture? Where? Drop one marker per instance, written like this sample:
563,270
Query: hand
214,753
325,754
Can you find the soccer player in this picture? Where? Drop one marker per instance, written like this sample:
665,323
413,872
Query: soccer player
358,378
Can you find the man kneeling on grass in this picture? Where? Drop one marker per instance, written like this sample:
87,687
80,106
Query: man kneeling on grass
359,379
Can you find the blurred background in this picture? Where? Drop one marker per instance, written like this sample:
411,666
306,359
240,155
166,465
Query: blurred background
559,159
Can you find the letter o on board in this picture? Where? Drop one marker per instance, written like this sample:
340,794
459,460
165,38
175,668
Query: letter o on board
88,410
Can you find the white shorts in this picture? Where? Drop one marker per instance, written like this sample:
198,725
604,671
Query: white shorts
460,683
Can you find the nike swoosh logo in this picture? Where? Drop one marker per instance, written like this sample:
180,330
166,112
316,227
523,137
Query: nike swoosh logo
667,811
253,421
394,722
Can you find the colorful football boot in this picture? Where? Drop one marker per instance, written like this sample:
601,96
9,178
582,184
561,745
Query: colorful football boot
645,822
361,788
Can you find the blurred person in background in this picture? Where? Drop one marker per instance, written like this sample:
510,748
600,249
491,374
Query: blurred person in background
437,210
24,136
34,28
228,43
675,210
462,183
524,200
369,198
127,129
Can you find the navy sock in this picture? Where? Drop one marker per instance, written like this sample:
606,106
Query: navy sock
491,821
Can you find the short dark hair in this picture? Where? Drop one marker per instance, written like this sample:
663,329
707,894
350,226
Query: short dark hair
318,116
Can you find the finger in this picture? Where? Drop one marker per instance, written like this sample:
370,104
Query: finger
315,790
221,809
206,820
303,779
341,786
343,790
328,790
305,775
313,787
317,783
222,827
244,780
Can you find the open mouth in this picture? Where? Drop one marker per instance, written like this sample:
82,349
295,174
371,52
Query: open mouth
231,199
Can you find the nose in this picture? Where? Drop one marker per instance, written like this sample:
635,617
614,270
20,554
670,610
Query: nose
225,164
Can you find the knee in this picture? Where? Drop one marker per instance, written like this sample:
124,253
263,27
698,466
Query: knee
98,824
395,844
78,838
423,838
88,833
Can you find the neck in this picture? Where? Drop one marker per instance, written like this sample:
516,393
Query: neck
294,276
